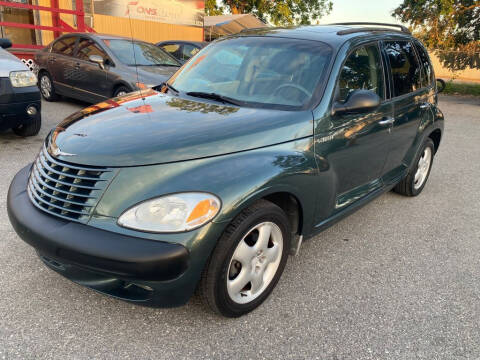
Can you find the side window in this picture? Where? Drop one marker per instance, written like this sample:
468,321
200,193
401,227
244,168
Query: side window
172,49
65,46
427,69
362,70
405,67
87,47
188,51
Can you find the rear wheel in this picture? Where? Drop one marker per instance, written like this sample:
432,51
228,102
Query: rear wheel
248,260
46,86
30,129
415,181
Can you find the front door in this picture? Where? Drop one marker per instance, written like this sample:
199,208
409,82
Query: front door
91,79
355,146
411,106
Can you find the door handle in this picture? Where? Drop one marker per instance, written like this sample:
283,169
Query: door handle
387,121
425,106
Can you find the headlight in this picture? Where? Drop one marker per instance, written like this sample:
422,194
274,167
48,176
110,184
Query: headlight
172,213
23,78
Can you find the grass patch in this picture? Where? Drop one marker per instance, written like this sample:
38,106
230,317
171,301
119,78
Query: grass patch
462,89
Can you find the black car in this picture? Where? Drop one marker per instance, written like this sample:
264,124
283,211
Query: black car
19,96
182,50
93,67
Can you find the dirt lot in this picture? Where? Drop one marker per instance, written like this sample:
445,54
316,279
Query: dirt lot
399,279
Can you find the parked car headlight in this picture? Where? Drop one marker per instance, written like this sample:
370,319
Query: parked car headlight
23,78
172,213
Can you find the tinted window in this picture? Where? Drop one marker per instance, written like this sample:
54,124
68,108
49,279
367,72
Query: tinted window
173,49
64,46
405,67
427,70
263,72
362,70
139,53
87,47
188,51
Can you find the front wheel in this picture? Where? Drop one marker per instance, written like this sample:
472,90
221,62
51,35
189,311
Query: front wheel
417,177
46,87
30,129
248,260
121,91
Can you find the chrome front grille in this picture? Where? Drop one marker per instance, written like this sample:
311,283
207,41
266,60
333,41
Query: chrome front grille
66,190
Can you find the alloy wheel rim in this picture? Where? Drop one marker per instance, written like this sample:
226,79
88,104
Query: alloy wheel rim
121,93
255,262
46,86
423,168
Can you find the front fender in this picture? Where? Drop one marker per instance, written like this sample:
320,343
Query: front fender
237,179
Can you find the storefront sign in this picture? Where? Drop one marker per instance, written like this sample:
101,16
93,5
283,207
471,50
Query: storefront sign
182,12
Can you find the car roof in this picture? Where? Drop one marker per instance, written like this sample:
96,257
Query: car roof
101,36
197,43
334,35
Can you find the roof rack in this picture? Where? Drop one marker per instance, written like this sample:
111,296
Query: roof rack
349,31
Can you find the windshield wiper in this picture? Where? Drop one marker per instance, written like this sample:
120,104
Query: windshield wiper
214,96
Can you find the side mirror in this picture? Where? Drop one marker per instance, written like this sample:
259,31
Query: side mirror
97,59
5,43
359,101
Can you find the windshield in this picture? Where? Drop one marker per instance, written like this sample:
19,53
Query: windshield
258,71
139,53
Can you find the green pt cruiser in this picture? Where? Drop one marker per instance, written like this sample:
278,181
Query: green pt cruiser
212,179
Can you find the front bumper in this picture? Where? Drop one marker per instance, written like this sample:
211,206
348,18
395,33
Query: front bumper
14,103
127,267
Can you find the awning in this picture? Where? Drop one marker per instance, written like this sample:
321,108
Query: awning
230,24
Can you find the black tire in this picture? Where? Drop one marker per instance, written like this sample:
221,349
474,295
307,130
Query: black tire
213,285
120,91
31,129
49,95
408,186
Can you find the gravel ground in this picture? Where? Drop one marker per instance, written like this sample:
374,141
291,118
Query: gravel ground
399,279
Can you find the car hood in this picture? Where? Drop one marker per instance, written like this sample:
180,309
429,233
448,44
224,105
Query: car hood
9,62
149,127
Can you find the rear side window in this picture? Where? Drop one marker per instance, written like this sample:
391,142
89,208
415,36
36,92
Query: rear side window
362,70
427,69
65,46
403,61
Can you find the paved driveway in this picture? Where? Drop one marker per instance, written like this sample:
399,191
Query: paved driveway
399,279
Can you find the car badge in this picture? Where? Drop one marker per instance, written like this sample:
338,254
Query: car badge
55,151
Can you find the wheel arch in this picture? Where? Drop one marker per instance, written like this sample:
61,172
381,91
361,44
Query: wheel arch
120,83
436,136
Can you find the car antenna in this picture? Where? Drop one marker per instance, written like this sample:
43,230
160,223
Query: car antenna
133,47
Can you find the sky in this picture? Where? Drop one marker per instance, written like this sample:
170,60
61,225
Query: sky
362,10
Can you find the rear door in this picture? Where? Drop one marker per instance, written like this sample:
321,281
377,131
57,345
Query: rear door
90,79
410,101
61,63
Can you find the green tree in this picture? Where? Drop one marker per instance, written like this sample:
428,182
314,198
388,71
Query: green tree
449,27
277,12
